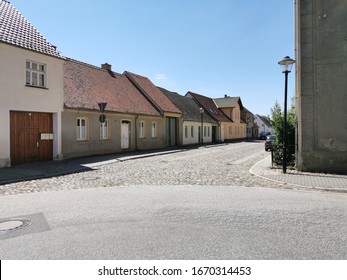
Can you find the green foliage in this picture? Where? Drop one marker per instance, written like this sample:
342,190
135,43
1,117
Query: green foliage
277,120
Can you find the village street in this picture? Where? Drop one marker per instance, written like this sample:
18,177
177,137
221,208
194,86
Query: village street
194,204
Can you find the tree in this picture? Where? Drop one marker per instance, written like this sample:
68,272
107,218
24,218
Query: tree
277,121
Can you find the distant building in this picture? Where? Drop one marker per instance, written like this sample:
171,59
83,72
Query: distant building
321,85
264,125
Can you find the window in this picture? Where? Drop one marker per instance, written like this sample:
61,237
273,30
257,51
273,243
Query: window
154,129
142,129
35,74
208,131
104,130
186,131
230,130
192,131
81,129
205,131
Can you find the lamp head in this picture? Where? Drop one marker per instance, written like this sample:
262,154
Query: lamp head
286,64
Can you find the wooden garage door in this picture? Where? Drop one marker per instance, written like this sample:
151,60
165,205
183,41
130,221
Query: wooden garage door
29,141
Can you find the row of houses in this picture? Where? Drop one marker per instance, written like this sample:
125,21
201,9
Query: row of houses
50,110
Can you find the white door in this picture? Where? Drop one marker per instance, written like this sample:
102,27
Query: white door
125,136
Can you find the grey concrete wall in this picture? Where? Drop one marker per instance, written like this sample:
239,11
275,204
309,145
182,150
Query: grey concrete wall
321,91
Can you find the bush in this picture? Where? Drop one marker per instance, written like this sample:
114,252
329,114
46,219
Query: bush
278,124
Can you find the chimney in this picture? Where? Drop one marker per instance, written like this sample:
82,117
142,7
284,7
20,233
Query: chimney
225,95
106,66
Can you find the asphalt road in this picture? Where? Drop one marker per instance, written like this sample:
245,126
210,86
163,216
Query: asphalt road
176,222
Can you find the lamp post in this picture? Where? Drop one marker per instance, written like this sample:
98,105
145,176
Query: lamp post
202,125
102,119
286,65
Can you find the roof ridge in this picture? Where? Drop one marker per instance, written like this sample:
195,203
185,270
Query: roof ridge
90,65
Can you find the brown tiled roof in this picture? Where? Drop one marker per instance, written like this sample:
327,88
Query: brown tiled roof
16,30
189,108
209,106
86,85
153,93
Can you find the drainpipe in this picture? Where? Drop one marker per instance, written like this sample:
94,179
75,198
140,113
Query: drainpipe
136,148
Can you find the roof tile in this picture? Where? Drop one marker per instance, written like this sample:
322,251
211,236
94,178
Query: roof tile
189,108
16,30
209,106
154,94
86,85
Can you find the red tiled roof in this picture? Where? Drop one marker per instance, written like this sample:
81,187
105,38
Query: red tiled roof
86,85
16,30
153,93
209,107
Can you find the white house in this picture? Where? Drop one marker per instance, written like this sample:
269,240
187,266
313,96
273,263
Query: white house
263,124
31,92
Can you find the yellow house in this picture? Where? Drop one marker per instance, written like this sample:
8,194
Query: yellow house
232,107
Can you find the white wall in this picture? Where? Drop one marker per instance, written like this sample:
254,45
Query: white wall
195,139
16,96
262,126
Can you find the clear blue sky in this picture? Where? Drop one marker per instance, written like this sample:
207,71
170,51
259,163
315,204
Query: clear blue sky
211,47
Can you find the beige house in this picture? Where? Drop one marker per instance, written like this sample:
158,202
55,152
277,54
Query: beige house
232,107
31,95
131,121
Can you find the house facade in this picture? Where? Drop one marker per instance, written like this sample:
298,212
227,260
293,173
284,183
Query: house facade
162,104
31,95
232,107
252,128
320,98
131,122
219,132
193,122
264,125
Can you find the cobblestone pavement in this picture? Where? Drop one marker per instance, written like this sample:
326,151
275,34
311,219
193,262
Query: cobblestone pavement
223,165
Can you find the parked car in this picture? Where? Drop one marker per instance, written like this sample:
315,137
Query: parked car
263,134
268,142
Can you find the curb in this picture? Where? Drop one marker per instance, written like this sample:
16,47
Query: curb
255,166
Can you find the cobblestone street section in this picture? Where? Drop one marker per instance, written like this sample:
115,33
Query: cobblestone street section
220,165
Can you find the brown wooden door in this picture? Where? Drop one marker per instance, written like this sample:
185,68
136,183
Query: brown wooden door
27,144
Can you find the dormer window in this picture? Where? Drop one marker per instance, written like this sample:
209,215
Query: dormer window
35,74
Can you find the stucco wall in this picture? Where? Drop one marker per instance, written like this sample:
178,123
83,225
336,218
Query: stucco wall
94,146
235,129
189,140
321,85
16,96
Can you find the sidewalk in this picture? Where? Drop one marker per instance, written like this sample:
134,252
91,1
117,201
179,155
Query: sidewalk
39,170
319,181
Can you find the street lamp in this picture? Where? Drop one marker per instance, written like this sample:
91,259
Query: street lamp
202,125
286,65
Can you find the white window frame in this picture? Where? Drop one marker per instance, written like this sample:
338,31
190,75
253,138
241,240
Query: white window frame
142,129
192,131
154,130
104,129
36,74
186,131
81,129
